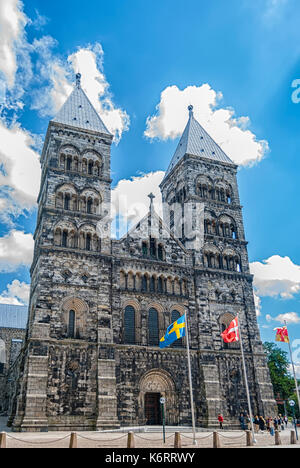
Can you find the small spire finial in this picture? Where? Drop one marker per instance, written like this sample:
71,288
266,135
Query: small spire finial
78,80
151,196
190,109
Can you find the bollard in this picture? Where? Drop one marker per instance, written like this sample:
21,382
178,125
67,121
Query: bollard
293,438
216,440
177,440
73,440
277,438
249,439
130,440
2,440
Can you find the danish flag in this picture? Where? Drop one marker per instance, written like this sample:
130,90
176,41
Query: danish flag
231,334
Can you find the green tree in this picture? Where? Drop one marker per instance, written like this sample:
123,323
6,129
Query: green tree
282,381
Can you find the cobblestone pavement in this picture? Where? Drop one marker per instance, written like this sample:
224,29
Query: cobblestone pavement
228,439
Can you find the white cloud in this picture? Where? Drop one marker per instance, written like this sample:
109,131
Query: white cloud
89,62
289,317
231,133
130,198
276,276
12,25
19,170
17,293
16,249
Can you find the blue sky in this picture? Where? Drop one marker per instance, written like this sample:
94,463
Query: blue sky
150,59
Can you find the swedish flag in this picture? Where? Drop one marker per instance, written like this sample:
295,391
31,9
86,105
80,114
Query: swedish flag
174,332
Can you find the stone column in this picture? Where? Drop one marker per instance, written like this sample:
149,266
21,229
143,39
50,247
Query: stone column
35,405
106,381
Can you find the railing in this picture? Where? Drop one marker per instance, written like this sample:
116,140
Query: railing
133,440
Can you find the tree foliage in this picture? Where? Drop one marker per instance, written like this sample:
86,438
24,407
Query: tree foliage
278,363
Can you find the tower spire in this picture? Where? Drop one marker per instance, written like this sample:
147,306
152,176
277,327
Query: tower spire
78,80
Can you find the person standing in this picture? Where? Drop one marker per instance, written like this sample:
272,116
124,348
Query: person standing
221,420
256,424
262,424
242,421
271,426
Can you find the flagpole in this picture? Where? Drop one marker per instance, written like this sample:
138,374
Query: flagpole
246,380
190,379
293,367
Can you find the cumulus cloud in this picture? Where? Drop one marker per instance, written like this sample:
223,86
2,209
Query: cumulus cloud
12,25
230,132
276,276
16,249
19,170
89,62
130,200
16,293
289,317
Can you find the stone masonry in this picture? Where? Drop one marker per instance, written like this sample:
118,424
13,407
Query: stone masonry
99,306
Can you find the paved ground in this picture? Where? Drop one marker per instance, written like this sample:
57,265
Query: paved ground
229,439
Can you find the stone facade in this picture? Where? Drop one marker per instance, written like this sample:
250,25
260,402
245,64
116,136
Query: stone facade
98,306
11,342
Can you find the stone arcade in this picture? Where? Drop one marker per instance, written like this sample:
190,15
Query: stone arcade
99,306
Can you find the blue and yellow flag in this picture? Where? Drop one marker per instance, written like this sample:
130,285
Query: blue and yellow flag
174,332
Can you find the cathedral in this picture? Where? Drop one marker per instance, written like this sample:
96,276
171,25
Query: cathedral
99,306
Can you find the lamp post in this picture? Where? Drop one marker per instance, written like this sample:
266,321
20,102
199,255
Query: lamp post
162,402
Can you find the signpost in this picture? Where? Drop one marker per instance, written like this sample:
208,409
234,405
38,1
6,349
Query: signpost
292,405
162,402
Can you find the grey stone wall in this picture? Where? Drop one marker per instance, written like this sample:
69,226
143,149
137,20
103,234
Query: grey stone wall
93,379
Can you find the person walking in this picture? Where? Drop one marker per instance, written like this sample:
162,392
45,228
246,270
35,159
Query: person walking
262,424
256,424
271,426
242,421
221,420
286,421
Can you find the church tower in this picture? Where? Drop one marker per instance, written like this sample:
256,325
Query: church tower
202,207
62,377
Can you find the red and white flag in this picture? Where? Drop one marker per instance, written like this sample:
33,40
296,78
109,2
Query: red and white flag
231,334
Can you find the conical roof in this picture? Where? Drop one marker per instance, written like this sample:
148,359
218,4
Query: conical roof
79,112
197,142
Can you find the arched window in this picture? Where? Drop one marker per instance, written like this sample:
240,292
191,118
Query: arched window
160,252
129,325
69,163
67,201
90,167
153,331
71,326
152,284
64,241
89,206
88,242
175,316
152,247
160,286
144,284
145,249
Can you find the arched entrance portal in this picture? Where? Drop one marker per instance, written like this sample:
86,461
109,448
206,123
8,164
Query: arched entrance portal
154,385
